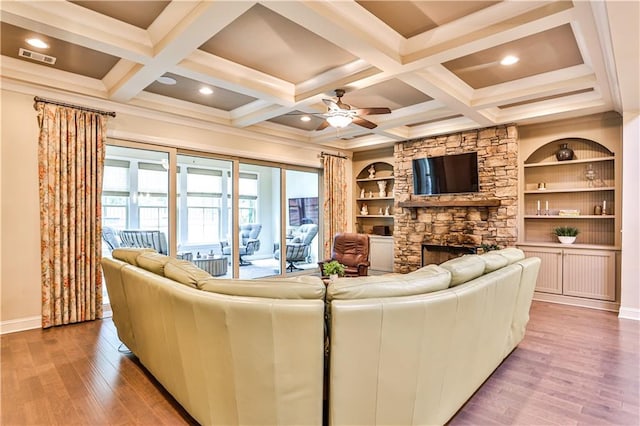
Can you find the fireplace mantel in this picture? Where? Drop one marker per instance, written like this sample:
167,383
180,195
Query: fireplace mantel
412,205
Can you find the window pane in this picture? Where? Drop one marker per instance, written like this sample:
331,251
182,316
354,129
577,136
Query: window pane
152,181
115,179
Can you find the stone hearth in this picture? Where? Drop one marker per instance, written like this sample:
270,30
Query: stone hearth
457,225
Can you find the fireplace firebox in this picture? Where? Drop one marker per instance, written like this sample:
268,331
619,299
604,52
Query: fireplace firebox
436,254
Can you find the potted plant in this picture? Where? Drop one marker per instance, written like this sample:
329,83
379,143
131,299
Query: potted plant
566,234
333,269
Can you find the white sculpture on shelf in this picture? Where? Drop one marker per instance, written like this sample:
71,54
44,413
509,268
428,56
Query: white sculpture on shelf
370,194
372,172
364,210
382,187
362,193
386,211
380,211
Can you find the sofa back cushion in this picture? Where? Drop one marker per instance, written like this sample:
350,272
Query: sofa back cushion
425,280
153,262
303,287
493,261
512,254
464,268
130,254
185,272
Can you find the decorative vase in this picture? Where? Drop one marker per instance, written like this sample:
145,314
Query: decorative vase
564,153
566,240
333,277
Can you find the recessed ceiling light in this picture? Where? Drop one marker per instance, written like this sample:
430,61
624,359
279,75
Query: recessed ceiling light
305,118
206,90
509,60
166,80
36,42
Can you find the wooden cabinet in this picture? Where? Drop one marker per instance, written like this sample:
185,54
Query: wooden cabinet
374,198
578,273
381,253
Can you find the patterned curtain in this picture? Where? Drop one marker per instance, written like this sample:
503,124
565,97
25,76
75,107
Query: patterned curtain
70,165
335,200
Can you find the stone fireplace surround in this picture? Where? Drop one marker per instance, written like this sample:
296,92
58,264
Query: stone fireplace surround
468,226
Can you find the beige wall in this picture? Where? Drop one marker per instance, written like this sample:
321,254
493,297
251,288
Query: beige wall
20,272
20,223
630,292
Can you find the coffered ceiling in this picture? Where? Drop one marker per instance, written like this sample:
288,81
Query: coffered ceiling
435,64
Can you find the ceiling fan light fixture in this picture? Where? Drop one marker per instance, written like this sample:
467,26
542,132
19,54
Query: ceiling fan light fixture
339,120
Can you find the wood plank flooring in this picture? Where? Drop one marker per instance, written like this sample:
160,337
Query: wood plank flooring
575,366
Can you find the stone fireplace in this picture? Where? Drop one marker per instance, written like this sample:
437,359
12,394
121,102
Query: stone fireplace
461,220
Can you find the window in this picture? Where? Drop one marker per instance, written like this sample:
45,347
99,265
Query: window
204,192
115,193
152,196
248,193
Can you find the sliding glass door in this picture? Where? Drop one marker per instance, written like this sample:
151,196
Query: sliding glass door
302,219
135,199
204,206
259,220
232,218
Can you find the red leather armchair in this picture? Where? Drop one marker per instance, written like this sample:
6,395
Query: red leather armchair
352,250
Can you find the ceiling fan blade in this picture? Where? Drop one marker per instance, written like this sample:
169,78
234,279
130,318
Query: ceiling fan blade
333,106
377,110
323,126
364,123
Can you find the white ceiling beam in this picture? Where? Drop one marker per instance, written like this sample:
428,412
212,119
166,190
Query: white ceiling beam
178,42
537,86
331,21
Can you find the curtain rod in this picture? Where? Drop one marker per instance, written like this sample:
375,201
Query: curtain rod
50,101
322,154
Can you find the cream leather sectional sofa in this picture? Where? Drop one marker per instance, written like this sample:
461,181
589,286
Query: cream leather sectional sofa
404,349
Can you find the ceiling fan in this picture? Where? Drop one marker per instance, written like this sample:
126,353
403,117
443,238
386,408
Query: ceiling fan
340,115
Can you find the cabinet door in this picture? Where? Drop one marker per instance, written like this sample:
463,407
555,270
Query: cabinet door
381,253
550,275
590,273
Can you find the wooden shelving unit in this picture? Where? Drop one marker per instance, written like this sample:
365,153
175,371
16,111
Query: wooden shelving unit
583,273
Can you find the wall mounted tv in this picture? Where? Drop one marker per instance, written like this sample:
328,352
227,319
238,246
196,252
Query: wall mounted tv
447,174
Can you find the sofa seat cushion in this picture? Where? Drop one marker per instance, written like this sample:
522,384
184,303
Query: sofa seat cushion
185,272
425,280
493,261
154,262
303,287
512,254
130,254
464,268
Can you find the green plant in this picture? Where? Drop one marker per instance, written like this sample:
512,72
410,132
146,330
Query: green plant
489,247
333,267
566,231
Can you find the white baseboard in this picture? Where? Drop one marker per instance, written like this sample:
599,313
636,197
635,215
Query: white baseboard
629,313
21,324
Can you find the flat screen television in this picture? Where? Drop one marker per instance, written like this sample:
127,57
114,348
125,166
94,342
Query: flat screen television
446,174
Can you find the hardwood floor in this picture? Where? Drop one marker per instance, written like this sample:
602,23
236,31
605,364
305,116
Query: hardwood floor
575,366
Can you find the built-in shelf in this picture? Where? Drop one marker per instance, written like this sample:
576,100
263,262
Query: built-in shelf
572,190
564,163
386,216
582,216
374,179
374,198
